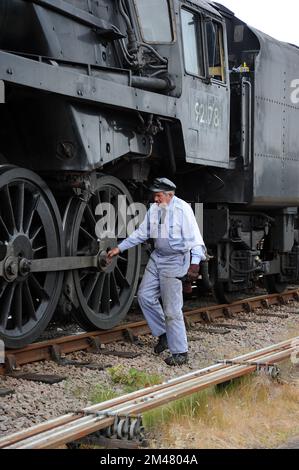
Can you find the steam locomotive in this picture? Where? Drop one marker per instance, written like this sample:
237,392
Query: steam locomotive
101,96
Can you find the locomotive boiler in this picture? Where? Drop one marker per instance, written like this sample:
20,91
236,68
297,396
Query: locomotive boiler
101,96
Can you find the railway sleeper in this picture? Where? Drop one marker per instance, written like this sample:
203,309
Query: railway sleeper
63,361
41,378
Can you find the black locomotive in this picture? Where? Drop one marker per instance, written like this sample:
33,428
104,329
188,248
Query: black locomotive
99,97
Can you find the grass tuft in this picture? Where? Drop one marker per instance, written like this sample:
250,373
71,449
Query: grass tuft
101,393
133,379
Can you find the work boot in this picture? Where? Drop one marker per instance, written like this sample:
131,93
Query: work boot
177,359
161,344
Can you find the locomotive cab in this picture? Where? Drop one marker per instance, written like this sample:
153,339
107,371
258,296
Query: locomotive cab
191,36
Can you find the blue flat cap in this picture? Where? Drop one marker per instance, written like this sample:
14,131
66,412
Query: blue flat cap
162,184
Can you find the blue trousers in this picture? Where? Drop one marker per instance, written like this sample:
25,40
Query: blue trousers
160,281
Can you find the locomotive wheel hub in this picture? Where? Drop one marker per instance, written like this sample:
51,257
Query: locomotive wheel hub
22,247
106,244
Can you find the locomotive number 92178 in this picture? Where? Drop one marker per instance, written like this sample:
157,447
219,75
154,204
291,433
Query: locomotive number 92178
207,114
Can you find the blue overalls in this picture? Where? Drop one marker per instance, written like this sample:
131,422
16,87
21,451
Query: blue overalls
160,280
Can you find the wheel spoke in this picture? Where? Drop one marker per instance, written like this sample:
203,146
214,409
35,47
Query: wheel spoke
91,286
10,212
86,233
3,287
39,290
6,309
3,224
29,301
107,195
90,216
97,294
40,248
83,275
120,278
106,295
31,212
95,201
20,205
107,200
18,307
36,233
98,198
114,290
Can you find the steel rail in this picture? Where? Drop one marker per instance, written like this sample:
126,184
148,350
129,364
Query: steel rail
88,341
119,400
137,394
61,430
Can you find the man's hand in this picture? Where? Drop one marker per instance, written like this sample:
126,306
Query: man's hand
113,252
193,272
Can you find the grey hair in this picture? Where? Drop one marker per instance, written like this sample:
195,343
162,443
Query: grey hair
171,193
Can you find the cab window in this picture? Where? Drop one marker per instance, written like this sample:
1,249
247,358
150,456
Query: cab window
155,20
214,34
192,43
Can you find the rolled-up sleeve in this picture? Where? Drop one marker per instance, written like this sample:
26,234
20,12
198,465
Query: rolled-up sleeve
198,254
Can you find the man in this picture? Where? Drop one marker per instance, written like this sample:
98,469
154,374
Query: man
172,225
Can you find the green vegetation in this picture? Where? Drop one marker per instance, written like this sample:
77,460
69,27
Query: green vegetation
133,379
101,393
189,407
199,406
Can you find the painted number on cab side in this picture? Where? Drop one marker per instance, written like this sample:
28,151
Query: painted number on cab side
207,114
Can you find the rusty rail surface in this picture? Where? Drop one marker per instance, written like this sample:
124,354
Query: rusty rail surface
81,423
93,340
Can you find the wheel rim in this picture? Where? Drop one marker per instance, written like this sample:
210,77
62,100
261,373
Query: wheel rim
104,297
30,228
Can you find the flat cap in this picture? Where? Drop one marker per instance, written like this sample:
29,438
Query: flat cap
162,184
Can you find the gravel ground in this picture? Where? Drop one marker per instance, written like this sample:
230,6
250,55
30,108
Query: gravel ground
33,402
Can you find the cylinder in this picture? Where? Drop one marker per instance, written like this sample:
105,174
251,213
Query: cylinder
148,83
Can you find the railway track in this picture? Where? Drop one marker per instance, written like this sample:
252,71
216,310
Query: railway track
121,416
56,349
